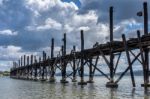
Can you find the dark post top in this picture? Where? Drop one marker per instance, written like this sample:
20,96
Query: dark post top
74,48
43,55
21,60
27,60
35,59
24,60
52,48
39,59
145,18
31,59
82,40
62,50
64,44
111,23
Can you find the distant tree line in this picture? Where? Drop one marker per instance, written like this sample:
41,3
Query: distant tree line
4,73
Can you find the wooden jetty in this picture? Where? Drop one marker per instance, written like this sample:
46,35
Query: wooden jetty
44,69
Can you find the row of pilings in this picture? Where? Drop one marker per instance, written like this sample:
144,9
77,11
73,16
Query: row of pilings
31,68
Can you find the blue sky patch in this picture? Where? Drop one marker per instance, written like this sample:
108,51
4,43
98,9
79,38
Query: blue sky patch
77,2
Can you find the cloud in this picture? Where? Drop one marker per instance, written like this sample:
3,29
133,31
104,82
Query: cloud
10,52
5,65
86,28
123,9
37,21
49,24
8,32
40,5
1,2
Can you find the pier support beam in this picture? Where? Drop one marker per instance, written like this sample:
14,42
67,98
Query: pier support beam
111,83
43,67
64,63
35,69
31,68
90,72
146,50
28,71
74,66
128,59
82,82
52,78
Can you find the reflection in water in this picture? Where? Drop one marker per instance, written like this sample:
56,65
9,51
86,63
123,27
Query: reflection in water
133,92
21,89
113,93
146,93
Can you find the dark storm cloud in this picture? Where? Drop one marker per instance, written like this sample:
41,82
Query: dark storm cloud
123,9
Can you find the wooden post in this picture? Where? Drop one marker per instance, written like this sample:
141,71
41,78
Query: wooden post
90,72
129,60
40,68
82,61
63,80
43,56
31,59
142,59
24,60
27,60
146,33
43,69
111,66
52,79
111,41
74,66
28,71
52,48
31,65
21,61
35,69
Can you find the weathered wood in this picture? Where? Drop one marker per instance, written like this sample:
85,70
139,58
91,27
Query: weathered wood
146,33
24,60
85,56
115,68
129,60
52,48
74,66
21,61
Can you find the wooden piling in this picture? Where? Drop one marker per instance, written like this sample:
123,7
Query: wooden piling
129,60
52,78
43,67
35,69
82,61
74,65
64,63
90,72
21,61
146,49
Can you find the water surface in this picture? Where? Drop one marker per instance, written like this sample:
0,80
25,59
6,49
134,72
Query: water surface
22,89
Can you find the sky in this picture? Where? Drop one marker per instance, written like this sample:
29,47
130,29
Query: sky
27,26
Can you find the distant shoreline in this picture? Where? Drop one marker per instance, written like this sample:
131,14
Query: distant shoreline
4,73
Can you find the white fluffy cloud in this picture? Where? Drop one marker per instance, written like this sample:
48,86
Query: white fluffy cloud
49,24
64,18
10,52
44,19
8,32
